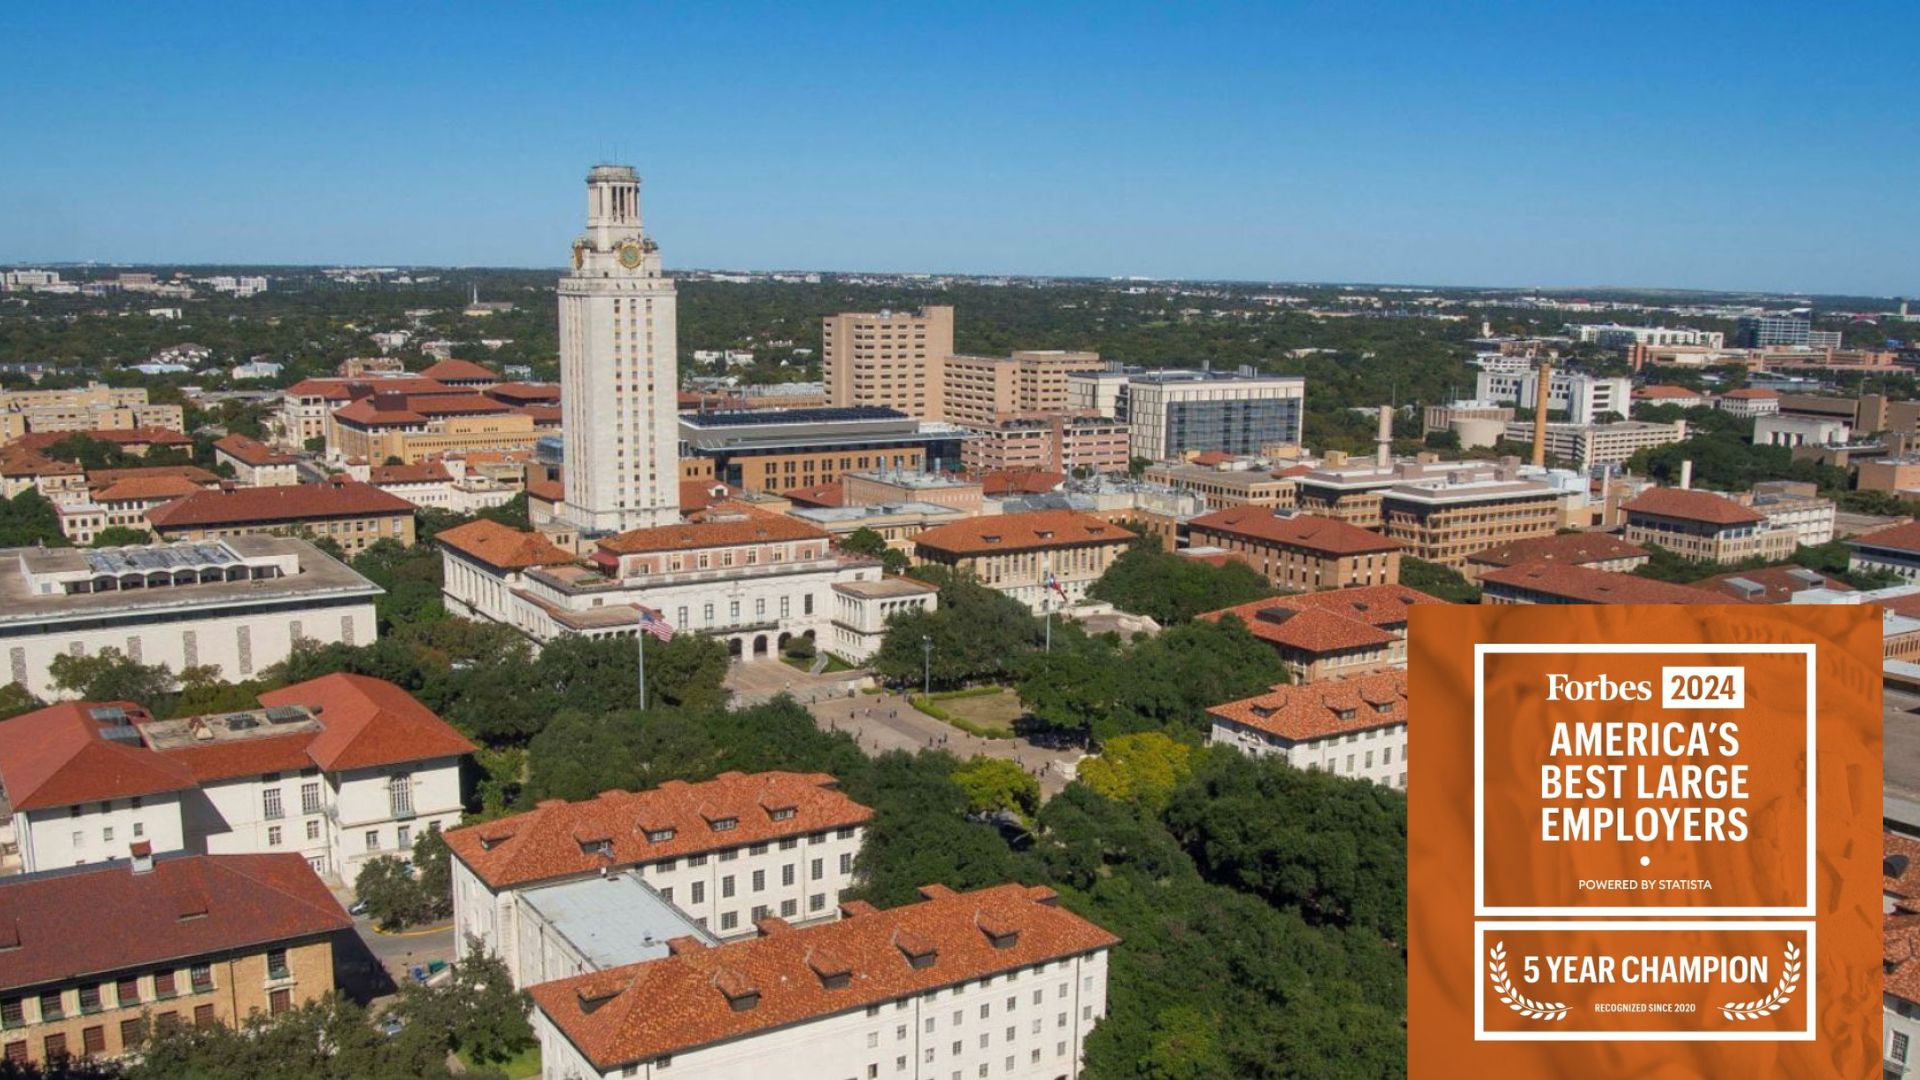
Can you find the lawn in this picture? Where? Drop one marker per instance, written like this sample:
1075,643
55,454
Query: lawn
834,664
988,712
520,1066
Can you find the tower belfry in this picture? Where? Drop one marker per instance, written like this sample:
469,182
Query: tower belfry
619,369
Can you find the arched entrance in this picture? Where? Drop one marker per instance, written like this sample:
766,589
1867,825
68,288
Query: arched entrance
733,648
760,645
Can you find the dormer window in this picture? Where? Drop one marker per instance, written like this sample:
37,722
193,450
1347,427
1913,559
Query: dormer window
781,813
725,824
1345,714
659,836
1382,708
596,847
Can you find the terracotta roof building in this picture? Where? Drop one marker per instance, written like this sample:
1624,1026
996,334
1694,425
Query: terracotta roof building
336,770
1900,969
1560,583
1355,727
1771,584
1748,401
1333,633
352,514
1026,555
1893,551
462,373
825,1000
254,463
1593,550
726,853
1705,526
1299,551
136,441
199,939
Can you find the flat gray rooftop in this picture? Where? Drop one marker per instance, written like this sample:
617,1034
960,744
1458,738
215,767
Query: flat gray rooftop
613,920
320,578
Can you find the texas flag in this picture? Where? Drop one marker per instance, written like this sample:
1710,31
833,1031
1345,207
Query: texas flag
1054,584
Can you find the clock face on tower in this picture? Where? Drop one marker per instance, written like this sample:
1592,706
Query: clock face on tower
630,255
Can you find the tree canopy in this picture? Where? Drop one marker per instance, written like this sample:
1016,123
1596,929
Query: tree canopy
1146,580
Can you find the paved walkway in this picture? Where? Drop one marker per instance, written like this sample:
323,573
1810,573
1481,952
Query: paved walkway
885,721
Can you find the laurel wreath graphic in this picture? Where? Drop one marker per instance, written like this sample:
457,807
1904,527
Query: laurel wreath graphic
1514,999
1782,992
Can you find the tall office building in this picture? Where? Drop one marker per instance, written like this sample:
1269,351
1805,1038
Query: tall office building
891,359
618,368
1760,331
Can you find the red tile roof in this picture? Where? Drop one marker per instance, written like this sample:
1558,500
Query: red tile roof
541,414
367,722
468,404
1331,620
1212,457
523,393
421,472
750,527
1322,709
1584,585
285,504
1320,535
1901,943
252,451
147,489
1292,471
40,441
822,495
544,843
552,491
19,461
700,997
1578,549
698,495
456,370
1750,394
1690,505
1899,538
1904,885
502,546
1037,530
344,389
185,908
378,410
1019,481
56,757
102,478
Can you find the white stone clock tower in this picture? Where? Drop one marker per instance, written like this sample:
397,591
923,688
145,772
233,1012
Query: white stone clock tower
619,368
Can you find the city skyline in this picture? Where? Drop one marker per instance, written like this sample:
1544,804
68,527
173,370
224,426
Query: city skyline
1281,145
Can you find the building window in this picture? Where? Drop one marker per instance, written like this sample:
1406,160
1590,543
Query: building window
56,1048
313,830
699,892
277,964
373,839
726,887
729,920
203,1016
51,1007
846,863
131,1034
1900,1047
789,908
819,869
759,880
406,838
310,797
201,976
400,795
279,1001
127,992
786,874
12,1014
817,902
93,1041
273,836
89,999
272,811
163,984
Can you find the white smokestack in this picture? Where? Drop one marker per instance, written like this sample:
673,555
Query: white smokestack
1686,475
1383,442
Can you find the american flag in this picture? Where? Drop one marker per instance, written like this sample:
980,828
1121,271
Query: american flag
651,623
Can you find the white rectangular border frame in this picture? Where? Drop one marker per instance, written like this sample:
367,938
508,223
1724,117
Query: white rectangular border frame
1480,652
1481,1034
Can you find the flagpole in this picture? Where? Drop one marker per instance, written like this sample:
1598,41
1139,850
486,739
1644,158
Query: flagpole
640,636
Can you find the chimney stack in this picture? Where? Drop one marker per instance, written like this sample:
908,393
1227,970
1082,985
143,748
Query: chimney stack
1686,475
1542,391
142,855
1383,442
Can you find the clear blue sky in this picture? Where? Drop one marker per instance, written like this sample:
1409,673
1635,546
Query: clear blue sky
1739,145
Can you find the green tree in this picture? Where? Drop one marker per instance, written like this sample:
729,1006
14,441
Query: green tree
977,633
1142,768
997,784
476,1011
326,1039
433,874
386,886
16,700
29,520
121,536
1146,580
111,675
1436,580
